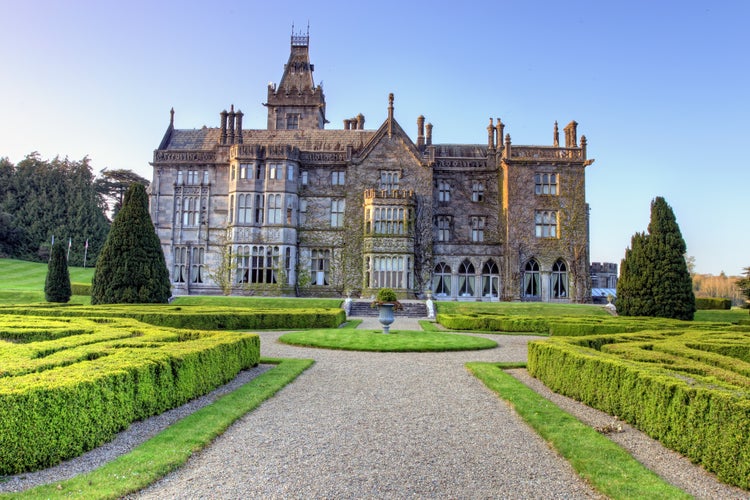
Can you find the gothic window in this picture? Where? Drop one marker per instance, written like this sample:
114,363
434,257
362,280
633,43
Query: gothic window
196,269
337,213
389,180
490,279
290,172
532,280
192,177
244,210
205,177
275,171
545,184
337,178
288,261
289,209
257,264
477,229
258,208
389,220
444,227
320,266
292,121
444,191
466,279
303,174
477,191
179,178
441,281
274,209
559,279
190,211
391,271
545,223
180,265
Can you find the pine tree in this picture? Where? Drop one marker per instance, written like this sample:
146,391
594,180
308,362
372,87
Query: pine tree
744,285
57,284
131,266
654,277
672,284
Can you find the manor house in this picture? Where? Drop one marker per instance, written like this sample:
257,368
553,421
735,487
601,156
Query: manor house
299,209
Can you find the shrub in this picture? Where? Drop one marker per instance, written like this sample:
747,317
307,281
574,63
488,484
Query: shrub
57,283
705,303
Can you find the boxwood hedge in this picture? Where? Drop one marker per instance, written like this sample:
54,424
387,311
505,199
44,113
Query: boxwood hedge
688,389
72,389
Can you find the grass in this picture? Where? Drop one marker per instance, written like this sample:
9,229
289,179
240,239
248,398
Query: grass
349,339
30,276
171,448
733,315
605,465
542,309
260,302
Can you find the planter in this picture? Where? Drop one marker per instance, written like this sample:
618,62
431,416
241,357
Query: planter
386,316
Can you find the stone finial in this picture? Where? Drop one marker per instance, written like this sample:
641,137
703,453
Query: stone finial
556,137
171,117
390,114
584,143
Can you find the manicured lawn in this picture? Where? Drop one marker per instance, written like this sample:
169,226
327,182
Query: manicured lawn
349,339
521,308
605,465
259,302
22,275
731,316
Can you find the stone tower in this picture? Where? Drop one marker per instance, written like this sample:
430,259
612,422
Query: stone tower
296,103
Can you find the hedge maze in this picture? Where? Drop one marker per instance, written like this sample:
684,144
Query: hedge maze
69,384
688,388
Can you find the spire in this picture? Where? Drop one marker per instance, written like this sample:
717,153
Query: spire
556,138
390,114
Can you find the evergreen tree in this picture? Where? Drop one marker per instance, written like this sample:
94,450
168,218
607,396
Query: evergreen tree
131,267
654,277
672,284
57,284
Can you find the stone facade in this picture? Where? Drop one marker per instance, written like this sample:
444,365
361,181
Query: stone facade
296,209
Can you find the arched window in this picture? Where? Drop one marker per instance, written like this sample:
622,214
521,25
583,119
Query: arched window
531,280
442,280
490,279
559,280
466,279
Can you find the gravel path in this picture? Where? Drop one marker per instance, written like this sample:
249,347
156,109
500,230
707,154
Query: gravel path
386,425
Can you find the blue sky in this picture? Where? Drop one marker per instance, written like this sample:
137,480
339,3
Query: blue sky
660,89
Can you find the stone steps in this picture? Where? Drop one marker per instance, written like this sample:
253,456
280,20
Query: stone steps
412,309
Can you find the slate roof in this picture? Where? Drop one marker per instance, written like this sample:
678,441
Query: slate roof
306,140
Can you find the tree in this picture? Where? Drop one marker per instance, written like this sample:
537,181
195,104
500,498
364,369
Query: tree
131,267
57,284
113,184
656,277
744,284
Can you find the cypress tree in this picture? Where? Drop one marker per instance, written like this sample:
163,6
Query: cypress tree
654,277
57,284
131,266
672,284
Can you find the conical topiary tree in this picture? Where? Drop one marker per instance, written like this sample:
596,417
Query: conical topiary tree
131,266
654,278
57,284
672,285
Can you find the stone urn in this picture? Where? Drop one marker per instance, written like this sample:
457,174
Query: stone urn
386,316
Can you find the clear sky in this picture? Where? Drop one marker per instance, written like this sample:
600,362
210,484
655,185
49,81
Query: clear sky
660,89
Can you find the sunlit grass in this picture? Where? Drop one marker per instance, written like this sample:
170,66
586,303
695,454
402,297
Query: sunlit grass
349,339
605,465
543,309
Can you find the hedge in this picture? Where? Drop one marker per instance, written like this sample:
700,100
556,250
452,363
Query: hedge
197,317
64,396
704,303
688,389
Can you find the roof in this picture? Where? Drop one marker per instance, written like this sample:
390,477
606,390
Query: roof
306,140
